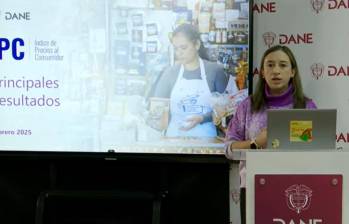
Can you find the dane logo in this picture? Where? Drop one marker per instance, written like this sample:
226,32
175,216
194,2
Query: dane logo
298,197
299,38
317,5
317,69
17,15
269,7
269,38
13,46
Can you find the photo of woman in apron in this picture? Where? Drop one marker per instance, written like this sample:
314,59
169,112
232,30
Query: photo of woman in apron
189,84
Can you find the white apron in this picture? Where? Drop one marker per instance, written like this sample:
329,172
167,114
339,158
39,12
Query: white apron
190,97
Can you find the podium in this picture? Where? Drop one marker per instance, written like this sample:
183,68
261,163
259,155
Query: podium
318,164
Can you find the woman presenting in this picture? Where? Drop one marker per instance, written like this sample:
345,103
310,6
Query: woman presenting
279,87
189,85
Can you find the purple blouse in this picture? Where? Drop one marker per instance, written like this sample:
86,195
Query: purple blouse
246,125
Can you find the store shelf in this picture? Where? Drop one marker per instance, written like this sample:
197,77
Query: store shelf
226,45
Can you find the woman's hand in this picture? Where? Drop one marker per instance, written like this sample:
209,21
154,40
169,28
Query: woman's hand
261,139
192,121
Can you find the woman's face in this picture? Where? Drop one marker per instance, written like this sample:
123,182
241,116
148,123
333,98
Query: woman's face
186,51
277,72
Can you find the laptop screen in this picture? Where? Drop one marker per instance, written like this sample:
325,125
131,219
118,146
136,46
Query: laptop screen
302,129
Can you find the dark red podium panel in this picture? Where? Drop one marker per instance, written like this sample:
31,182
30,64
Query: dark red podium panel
298,199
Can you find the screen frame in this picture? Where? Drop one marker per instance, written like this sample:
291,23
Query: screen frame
135,156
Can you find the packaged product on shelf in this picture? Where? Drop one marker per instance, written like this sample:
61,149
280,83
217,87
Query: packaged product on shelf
244,9
156,3
204,38
231,86
218,11
180,4
224,36
220,104
224,107
212,36
241,74
121,53
137,35
166,4
152,29
204,22
183,16
218,36
229,4
137,19
159,112
152,47
206,6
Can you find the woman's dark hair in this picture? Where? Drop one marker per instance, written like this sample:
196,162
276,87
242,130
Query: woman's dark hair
194,36
258,97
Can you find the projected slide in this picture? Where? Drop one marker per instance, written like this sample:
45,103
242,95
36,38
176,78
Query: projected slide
83,75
